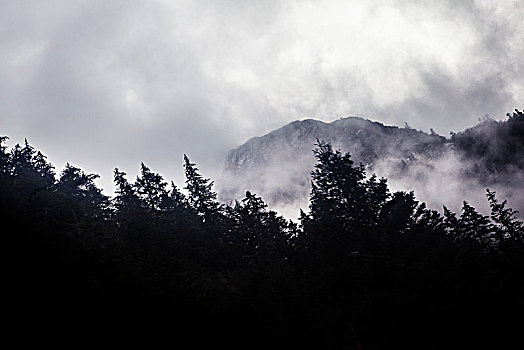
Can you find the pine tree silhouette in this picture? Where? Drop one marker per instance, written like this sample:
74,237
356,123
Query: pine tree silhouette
151,188
201,196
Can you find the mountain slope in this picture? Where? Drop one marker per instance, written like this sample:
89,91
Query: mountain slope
278,165
445,171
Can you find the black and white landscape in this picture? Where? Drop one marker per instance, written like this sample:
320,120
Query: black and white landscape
273,174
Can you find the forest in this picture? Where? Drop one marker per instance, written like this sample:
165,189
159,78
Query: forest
362,268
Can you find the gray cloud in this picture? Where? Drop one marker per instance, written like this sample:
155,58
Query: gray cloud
104,84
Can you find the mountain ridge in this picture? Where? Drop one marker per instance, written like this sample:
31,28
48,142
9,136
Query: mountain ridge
348,126
285,154
277,165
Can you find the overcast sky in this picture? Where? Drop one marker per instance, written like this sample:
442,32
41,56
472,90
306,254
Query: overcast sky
106,84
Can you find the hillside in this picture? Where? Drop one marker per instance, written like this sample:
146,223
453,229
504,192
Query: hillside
441,171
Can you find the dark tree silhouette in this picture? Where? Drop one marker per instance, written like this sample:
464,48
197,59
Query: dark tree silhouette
151,188
125,193
507,228
201,196
364,268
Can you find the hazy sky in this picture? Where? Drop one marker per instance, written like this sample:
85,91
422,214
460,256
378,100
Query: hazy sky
112,83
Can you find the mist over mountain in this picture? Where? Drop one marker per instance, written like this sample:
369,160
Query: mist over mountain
440,170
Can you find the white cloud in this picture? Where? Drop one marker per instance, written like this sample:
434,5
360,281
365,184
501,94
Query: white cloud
104,84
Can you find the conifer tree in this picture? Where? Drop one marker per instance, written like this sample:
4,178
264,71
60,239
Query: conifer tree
398,213
44,169
337,190
341,192
174,199
74,181
80,187
451,222
255,230
344,205
250,217
201,196
473,226
377,193
132,216
151,188
20,160
429,220
507,228
30,166
126,196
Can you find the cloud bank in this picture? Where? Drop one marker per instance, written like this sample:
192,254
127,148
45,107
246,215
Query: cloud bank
104,84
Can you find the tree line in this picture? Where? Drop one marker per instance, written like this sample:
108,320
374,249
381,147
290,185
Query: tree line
363,268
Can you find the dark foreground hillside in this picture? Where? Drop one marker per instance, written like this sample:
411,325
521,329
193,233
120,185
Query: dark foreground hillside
363,269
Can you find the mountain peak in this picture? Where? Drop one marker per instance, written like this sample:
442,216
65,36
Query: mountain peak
278,165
